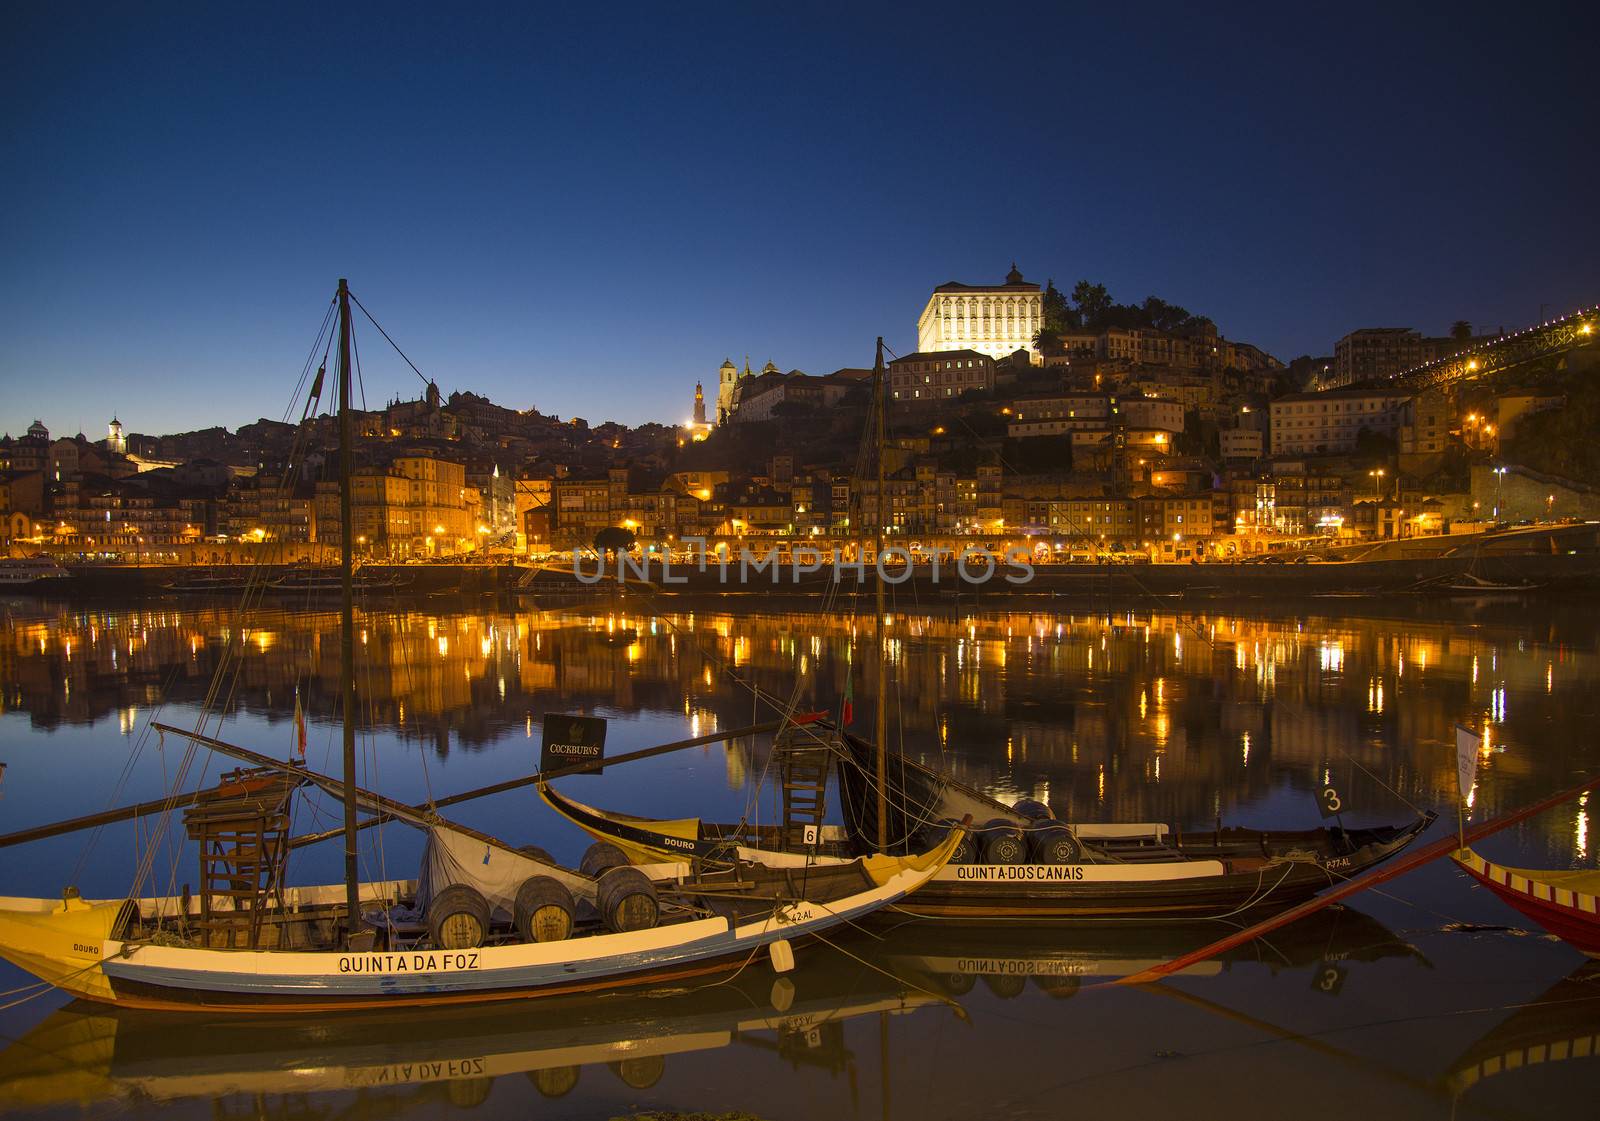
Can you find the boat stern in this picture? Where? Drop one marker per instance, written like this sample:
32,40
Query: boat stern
883,868
61,941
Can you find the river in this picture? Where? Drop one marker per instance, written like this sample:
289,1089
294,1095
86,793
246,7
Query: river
1429,999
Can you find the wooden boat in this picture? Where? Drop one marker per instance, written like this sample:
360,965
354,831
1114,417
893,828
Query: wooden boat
1021,865
146,953
1563,902
87,1053
482,922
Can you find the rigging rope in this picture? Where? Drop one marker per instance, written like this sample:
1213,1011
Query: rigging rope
425,380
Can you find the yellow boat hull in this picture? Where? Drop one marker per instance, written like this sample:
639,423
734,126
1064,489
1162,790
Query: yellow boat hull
60,941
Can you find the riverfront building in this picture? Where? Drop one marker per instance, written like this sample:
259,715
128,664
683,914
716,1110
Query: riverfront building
1329,423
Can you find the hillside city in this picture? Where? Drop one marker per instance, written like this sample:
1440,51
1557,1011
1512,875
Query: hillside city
1118,431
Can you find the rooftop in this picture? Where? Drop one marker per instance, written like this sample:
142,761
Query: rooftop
935,354
1013,283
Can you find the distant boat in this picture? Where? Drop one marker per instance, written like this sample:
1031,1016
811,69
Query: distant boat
32,573
1566,903
329,580
208,583
1471,585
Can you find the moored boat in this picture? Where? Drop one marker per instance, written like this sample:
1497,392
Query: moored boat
162,952
89,1053
329,581
32,574
1566,903
1022,863
210,582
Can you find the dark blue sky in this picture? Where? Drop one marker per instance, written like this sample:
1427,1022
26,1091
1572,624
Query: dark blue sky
586,212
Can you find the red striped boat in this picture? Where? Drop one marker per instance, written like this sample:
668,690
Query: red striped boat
1564,903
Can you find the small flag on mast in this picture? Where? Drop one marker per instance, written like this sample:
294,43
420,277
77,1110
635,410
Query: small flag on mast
1467,744
847,714
299,726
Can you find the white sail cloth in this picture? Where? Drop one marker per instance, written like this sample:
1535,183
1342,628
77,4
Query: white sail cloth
453,856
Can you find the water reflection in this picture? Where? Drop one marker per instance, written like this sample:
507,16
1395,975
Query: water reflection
85,1054
1119,715
1124,713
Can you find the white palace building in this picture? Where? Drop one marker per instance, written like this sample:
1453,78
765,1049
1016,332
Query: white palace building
996,320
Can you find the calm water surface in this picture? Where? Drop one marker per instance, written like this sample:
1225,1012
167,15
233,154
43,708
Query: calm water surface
1429,1000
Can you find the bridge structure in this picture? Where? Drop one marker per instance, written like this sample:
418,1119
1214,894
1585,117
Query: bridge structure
1543,340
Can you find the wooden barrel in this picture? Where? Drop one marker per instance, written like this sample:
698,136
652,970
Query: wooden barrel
1001,843
543,910
1031,809
627,900
458,918
1051,842
538,854
600,857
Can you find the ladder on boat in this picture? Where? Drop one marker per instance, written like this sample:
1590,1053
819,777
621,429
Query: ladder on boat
243,832
803,774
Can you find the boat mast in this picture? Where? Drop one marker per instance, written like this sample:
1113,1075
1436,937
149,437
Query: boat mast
880,708
347,676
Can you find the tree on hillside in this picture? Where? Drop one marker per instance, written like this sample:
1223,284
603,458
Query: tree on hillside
1461,330
1093,302
1162,315
1059,317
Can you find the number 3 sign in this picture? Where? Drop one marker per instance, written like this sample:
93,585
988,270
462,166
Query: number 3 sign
1329,801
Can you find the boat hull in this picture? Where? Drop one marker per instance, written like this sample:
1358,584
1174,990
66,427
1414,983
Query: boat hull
1223,877
61,942
70,945
1198,888
1556,901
